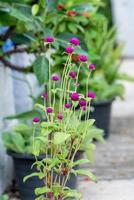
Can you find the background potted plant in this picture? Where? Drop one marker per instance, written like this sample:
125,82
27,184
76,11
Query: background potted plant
99,39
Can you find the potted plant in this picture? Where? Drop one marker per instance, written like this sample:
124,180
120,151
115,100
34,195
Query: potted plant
99,40
63,134
55,132
18,143
107,80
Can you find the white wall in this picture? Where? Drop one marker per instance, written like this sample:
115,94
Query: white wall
123,11
6,108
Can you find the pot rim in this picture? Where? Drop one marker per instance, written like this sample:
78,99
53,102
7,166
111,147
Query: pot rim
102,102
23,156
30,156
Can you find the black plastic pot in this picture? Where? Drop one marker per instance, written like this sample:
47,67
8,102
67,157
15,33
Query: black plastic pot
102,115
23,165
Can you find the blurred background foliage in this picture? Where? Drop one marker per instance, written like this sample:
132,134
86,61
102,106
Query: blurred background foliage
29,21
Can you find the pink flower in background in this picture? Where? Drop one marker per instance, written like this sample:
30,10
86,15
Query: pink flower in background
72,74
49,110
69,50
84,108
92,67
49,39
82,103
55,77
83,58
45,95
36,119
60,116
91,94
74,96
75,41
67,105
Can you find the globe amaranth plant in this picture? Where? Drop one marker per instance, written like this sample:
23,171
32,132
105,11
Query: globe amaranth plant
63,133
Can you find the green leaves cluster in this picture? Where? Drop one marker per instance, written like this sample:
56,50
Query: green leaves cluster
19,139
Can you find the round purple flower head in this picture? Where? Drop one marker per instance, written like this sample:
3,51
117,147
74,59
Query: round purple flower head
60,116
49,39
45,95
83,58
67,105
74,96
55,77
36,119
69,50
75,41
91,94
84,108
49,110
92,67
72,74
82,103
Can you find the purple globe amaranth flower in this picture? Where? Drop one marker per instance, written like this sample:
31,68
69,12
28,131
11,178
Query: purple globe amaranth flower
84,108
92,66
67,105
83,58
74,96
36,119
49,39
60,116
75,41
49,110
44,95
72,74
82,103
55,77
69,50
91,94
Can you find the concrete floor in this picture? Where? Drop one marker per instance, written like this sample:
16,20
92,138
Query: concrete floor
115,159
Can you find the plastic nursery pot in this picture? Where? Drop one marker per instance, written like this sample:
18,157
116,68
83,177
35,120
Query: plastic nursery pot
22,164
102,114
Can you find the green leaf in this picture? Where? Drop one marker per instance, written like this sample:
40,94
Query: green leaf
42,190
41,68
36,147
19,15
39,174
60,137
25,115
35,9
86,173
6,136
73,194
85,125
18,142
125,77
80,162
72,28
93,133
23,129
90,152
4,197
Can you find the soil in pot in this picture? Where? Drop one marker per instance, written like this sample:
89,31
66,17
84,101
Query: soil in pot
23,165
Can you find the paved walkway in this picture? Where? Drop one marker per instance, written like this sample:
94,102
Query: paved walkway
115,159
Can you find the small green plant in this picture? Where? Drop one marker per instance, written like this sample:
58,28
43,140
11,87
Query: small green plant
19,140
4,197
63,133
